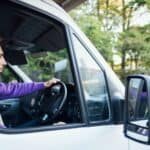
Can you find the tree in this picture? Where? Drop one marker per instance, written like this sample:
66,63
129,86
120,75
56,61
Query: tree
113,14
145,58
105,17
135,41
127,12
102,40
139,3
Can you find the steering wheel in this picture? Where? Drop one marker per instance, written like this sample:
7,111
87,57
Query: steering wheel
52,101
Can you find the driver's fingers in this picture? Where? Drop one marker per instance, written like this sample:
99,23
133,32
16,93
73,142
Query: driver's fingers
51,82
54,81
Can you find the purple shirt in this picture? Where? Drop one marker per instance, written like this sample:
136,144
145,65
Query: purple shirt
11,90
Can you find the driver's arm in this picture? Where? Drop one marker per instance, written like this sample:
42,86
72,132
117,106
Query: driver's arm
19,89
11,90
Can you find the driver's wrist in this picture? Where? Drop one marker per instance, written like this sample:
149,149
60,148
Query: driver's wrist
49,83
46,84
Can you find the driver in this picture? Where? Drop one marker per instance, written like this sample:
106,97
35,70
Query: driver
10,90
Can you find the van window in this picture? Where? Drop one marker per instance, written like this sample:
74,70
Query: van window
9,76
93,82
42,66
42,53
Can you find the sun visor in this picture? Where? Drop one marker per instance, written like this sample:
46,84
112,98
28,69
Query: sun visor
14,52
18,45
15,57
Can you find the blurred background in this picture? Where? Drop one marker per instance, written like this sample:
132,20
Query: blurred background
120,29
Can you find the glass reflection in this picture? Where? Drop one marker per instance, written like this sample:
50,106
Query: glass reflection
138,102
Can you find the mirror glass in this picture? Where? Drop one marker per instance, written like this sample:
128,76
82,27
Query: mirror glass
138,102
138,109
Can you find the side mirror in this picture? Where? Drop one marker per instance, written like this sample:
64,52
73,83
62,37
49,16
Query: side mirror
137,109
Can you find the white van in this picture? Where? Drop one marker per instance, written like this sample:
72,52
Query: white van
87,112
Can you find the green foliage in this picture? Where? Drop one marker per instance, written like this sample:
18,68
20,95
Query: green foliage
148,4
123,75
139,3
100,20
41,68
102,40
145,57
135,41
7,76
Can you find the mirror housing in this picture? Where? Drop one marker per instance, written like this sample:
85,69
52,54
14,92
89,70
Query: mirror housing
137,109
118,103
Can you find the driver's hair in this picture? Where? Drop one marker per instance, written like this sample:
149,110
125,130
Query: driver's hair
1,40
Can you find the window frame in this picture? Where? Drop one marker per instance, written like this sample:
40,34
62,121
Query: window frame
109,120
34,12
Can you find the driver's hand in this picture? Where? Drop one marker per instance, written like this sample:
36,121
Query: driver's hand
49,83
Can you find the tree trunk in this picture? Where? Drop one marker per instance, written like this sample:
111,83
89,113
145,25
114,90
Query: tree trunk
98,10
123,28
123,62
107,19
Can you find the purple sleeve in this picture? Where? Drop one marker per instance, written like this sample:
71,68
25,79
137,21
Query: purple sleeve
11,90
144,96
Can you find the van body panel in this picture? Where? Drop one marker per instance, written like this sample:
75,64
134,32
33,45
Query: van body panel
138,146
89,138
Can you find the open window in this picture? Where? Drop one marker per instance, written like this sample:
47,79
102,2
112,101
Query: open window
36,47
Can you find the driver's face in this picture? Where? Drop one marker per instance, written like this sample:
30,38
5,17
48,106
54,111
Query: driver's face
2,60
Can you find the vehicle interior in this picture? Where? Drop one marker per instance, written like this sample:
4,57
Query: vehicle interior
36,50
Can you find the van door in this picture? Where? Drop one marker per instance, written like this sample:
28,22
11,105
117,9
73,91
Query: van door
96,100
86,117
138,146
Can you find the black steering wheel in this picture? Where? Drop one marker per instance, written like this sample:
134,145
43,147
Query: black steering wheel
52,101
